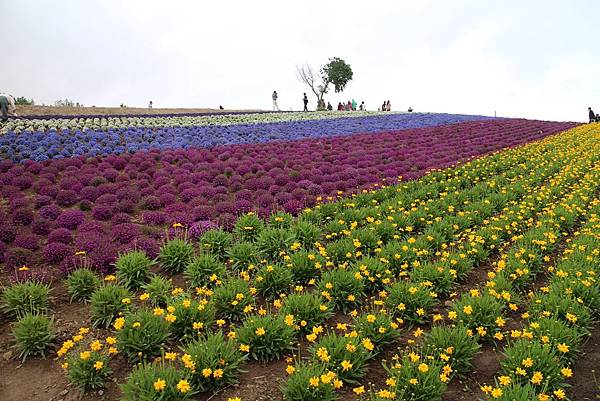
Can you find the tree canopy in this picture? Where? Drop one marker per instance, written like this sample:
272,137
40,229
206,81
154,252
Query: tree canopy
336,72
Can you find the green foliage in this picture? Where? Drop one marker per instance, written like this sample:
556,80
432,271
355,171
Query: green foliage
342,287
270,242
216,360
175,255
133,268
159,289
525,359
81,284
205,270
308,309
376,274
192,316
140,385
33,334
108,302
306,233
298,386
479,311
554,332
273,280
143,335
442,278
88,370
344,355
27,297
233,299
564,308
337,72
248,227
305,266
268,336
410,302
281,219
22,101
217,242
515,392
454,345
242,255
379,327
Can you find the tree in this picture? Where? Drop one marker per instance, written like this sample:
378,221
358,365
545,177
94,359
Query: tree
22,101
336,72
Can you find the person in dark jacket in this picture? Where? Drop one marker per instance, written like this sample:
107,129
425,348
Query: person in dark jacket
329,106
591,115
305,100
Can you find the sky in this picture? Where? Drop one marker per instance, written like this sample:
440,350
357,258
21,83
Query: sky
527,58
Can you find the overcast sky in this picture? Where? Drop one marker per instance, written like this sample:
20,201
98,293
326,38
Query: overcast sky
535,59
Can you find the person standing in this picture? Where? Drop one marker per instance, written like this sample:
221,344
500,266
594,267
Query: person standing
362,106
150,104
7,106
305,100
329,106
354,104
388,106
275,105
591,115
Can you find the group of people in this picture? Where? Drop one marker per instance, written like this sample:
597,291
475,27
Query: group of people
386,106
7,106
350,106
593,117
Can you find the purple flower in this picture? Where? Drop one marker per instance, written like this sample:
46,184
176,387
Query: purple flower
50,212
71,219
66,198
124,233
60,235
22,217
102,212
55,252
40,227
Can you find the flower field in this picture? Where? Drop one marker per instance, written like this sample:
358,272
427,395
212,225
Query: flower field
280,257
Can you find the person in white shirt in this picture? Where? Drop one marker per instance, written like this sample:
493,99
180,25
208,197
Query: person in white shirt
7,106
275,105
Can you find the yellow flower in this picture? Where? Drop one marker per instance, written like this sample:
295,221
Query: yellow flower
566,372
160,384
413,381
423,368
314,381
136,325
260,331
289,320
111,340
183,386
171,356
96,346
521,371
218,373
560,394
110,277
504,380
537,377
207,372
98,365
359,390
244,348
497,393
290,369
220,322
112,350
158,311
170,318
23,269
468,309
346,365
234,399
170,308
126,301
85,355
562,347
145,296
368,344
528,362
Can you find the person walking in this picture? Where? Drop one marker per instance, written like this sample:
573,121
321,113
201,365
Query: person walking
591,115
7,106
305,100
275,105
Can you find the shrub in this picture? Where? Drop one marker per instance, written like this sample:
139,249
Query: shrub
271,241
142,335
55,252
28,297
216,361
192,316
306,233
233,299
247,227
175,255
242,255
454,344
33,334
268,337
512,392
305,383
308,310
305,266
528,361
379,327
562,307
376,274
478,311
410,302
156,382
344,355
88,370
159,289
205,270
108,302
273,280
344,288
554,332
132,269
81,284
217,242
